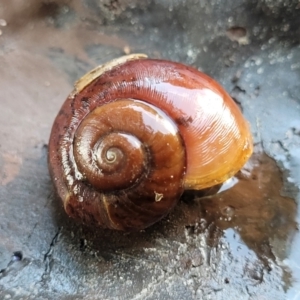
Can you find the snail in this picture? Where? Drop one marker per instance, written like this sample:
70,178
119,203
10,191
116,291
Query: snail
135,133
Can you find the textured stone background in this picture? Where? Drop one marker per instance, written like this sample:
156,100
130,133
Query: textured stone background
240,244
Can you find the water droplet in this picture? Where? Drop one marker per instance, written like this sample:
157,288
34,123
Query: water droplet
17,256
228,211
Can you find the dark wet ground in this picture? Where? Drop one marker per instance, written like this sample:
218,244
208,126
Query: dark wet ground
242,243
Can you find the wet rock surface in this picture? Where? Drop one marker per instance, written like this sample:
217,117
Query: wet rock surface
242,243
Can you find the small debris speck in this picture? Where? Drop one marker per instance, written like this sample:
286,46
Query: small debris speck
126,50
260,71
3,22
158,196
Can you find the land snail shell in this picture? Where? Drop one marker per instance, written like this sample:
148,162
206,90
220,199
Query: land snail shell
135,133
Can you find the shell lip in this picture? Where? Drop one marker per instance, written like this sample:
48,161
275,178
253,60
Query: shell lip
86,79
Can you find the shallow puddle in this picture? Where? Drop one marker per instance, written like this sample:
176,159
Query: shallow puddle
254,213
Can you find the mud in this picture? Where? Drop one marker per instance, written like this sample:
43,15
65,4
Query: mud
241,243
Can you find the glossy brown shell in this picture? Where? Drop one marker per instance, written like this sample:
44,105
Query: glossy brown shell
211,143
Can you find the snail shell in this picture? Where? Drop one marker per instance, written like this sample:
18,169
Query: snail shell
135,133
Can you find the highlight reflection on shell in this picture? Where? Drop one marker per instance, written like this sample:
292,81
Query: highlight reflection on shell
200,140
